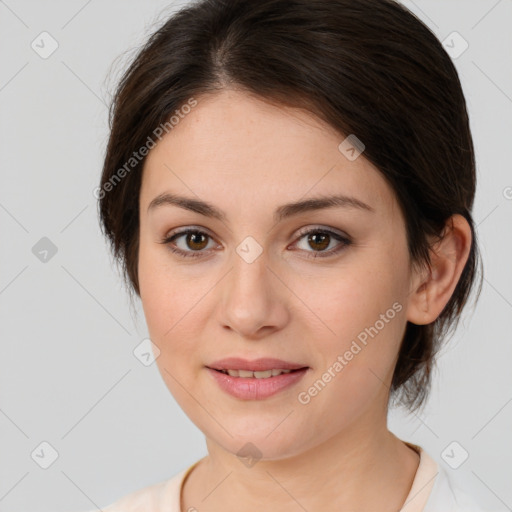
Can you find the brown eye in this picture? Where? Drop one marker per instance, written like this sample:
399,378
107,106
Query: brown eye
319,240
193,242
196,240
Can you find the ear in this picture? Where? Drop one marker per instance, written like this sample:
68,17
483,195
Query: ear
431,291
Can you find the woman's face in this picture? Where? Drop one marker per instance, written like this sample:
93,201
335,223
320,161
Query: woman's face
253,284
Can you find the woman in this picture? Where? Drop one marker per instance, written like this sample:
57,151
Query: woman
288,186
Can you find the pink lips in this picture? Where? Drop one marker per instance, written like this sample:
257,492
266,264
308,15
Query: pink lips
252,388
257,365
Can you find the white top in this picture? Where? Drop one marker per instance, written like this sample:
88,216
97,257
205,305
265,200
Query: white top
433,490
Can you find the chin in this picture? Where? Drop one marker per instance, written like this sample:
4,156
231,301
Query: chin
262,442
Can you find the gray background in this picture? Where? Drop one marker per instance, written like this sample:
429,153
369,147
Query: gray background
68,375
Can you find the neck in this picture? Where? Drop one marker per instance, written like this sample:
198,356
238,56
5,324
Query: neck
359,469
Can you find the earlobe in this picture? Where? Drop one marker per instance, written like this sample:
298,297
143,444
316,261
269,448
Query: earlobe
433,288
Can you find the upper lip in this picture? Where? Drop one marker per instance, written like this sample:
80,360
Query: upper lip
256,365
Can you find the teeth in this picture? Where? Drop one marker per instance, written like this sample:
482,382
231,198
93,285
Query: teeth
263,375
258,375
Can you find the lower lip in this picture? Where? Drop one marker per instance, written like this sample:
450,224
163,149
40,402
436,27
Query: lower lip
251,388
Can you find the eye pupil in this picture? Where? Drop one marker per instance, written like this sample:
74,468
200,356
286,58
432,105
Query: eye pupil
321,239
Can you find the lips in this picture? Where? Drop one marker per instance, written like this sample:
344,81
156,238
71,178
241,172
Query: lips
257,379
248,388
256,365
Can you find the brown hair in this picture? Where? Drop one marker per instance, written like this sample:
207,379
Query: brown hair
369,68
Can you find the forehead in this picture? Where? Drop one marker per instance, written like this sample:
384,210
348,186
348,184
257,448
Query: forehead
232,146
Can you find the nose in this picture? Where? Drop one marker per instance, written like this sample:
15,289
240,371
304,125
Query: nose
254,300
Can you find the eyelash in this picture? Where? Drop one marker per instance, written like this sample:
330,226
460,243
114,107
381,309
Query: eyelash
316,254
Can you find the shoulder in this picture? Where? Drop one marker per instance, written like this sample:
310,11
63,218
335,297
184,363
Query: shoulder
160,497
436,489
451,494
140,500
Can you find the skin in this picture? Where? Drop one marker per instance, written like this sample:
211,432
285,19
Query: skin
335,452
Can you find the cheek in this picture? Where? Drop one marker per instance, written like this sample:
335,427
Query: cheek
173,304
164,297
168,305
356,363
356,301
363,316
154,293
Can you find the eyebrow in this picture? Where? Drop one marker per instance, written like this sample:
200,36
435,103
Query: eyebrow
282,212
